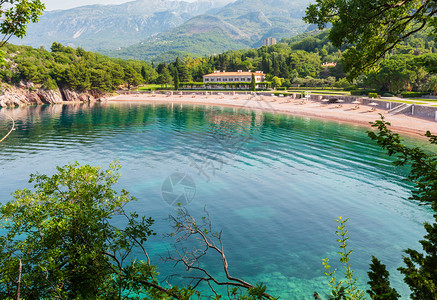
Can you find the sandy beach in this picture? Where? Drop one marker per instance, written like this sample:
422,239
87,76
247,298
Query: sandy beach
345,112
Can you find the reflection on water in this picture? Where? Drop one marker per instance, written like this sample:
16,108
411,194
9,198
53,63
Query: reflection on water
272,183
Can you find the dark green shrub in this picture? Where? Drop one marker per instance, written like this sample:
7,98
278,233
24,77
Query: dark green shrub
361,92
412,94
350,88
387,95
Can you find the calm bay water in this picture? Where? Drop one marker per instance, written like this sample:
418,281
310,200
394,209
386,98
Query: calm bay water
272,183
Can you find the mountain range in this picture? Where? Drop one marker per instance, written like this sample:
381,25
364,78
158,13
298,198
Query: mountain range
162,29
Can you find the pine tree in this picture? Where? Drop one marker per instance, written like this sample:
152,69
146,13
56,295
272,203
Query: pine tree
144,74
176,80
379,283
253,83
421,271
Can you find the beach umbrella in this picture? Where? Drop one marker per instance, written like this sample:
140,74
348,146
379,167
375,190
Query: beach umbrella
356,102
340,101
373,104
325,100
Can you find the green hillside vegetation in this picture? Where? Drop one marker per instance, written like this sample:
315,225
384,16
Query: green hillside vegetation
293,62
75,69
296,61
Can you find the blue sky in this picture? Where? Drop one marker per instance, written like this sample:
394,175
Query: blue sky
62,4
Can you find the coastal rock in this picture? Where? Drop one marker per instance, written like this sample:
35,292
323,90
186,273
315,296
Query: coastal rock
70,96
23,95
50,97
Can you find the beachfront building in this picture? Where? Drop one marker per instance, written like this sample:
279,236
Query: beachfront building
234,80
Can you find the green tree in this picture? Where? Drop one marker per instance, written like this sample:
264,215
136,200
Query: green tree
379,283
50,84
77,77
131,77
370,28
395,75
276,82
419,272
144,74
176,80
253,83
164,77
15,15
60,242
431,85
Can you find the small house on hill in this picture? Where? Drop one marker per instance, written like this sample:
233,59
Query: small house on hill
329,64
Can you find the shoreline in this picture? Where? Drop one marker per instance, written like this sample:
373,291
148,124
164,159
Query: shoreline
333,112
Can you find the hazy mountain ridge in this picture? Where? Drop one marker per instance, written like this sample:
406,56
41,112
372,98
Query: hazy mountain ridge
99,27
253,20
197,37
152,29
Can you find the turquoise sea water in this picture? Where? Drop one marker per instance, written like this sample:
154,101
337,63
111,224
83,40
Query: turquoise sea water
272,183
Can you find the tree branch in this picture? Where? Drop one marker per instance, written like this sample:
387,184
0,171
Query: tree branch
10,131
186,227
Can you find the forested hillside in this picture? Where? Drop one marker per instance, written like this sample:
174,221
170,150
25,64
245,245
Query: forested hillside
297,61
75,69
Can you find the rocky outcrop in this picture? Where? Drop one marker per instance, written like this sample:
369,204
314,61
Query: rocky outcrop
73,96
21,96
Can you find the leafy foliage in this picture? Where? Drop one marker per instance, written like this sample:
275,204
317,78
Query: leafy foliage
345,288
419,271
423,165
16,14
370,28
59,239
72,68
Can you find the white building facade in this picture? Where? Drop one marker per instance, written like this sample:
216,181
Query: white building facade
233,80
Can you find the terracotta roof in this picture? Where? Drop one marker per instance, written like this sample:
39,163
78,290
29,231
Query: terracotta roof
233,74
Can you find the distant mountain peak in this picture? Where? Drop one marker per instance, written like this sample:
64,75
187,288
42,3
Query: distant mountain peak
144,29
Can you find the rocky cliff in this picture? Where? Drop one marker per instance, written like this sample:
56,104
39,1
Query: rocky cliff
21,96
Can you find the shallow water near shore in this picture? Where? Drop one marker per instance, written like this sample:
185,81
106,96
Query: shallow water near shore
272,183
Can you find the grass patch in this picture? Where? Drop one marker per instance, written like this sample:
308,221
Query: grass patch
152,87
323,92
